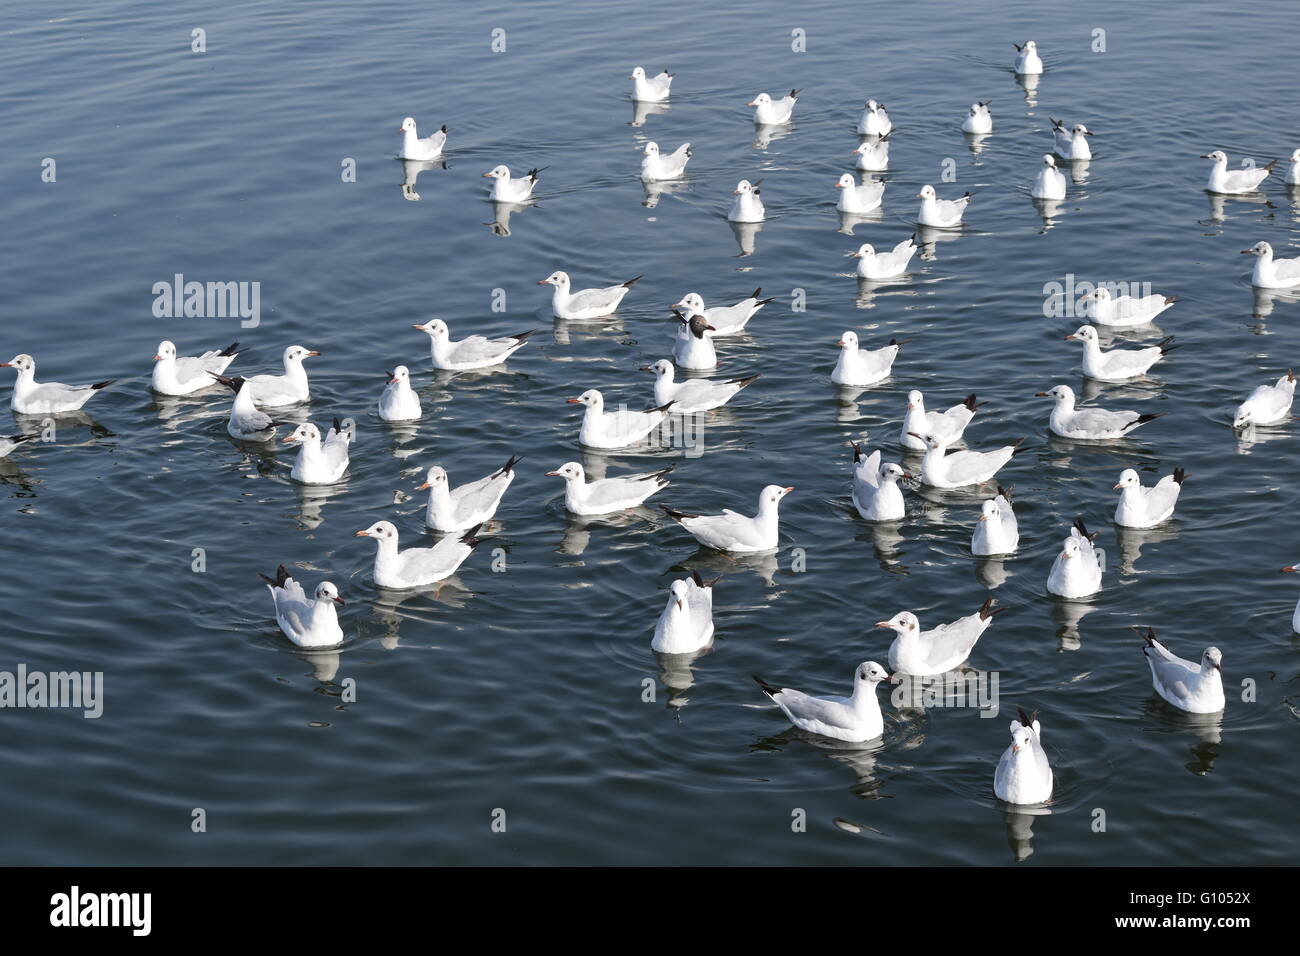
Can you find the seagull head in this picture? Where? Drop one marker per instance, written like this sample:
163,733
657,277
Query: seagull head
1021,737
1059,393
1219,156
591,398
680,593
904,622
1258,249
326,591
1049,160
1081,130
1295,155
846,182
872,106
1242,417
662,368
1030,46
380,530
871,674
435,476
699,325
691,301
915,400
927,192
1212,658
638,74
651,148
166,350
1084,333
742,187
498,172
23,362
892,472
408,125
557,278
436,329
1128,478
1071,547
762,99
296,355
569,471
990,511
400,374
771,496
848,340
306,432
931,441
863,251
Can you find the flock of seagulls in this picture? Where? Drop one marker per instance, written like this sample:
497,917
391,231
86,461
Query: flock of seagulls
458,513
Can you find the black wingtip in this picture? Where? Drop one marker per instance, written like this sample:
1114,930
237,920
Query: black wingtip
470,537
756,293
229,350
970,402
1026,720
987,610
771,690
104,384
1081,528
632,281
281,576
674,514
509,466
1148,417
1149,638
742,382
1179,476
857,452
1006,492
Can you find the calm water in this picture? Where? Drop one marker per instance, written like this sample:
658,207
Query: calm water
523,690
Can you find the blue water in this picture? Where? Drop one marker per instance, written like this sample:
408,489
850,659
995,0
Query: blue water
522,691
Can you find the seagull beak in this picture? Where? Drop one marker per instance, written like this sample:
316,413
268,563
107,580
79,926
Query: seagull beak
543,281
392,381
1068,337
1246,252
787,489
986,517
573,401
909,476
1116,488
553,474
915,435
157,358
1015,748
1087,132
752,103
882,624
423,487
311,354
1040,394
839,185
1290,569
362,534
840,343
487,175
735,192
6,364
1205,156
339,600
420,327
680,605
918,196
676,305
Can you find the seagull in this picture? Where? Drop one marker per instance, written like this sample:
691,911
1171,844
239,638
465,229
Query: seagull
185,375
602,429
873,155
725,319
1293,172
1295,615
46,398
1267,404
693,394
693,348
1072,143
9,442
505,189
1146,507
1235,182
859,199
585,303
468,505
997,531
1092,424
734,532
399,402
651,89
876,494
291,388
770,112
747,206
413,147
313,623
657,168
416,567
947,425
1125,311
1077,570
686,624
320,463
941,213
862,367
604,496
1117,365
884,265
961,468
1050,183
874,120
1195,688
923,653
979,120
1272,273
1023,776
247,421
1028,62
855,718
476,351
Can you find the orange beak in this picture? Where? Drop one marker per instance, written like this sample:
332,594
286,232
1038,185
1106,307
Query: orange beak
788,489
362,534
422,487
310,354
573,401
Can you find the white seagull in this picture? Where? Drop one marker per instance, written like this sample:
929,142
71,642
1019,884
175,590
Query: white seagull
31,397
924,653
585,303
188,374
948,425
874,120
732,531
876,494
308,623
873,155
1235,182
978,119
858,199
1117,365
1077,570
1146,507
1295,615
1125,311
602,429
855,718
1071,143
1194,688
997,531
413,147
770,112
9,442
505,189
693,394
1272,273
1050,182
941,213
725,319
275,391
686,624
939,469
320,462
468,505
475,351
1267,404
416,567
1293,172
651,89
1091,424
606,495
656,167
747,206
1028,62
247,421
693,348
399,402
1023,775
862,367
884,265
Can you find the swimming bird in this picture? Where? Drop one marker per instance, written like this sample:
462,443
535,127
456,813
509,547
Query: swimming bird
859,199
1295,615
9,442
1235,182
978,119
416,567
1072,143
1077,570
884,265
308,623
732,531
468,505
693,348
188,374
686,624
1194,688
747,206
1146,507
855,718
413,147
725,319
651,89
693,394
862,367
291,388
1125,311
602,429
247,421
874,120
941,469
320,462
603,496
1050,182
1023,775
1293,171
656,167
941,213
770,112
997,531
31,397
1028,62
1092,424
585,303
399,402
876,494
948,425
475,351
1272,273
923,653
873,155
1117,365
505,189
1267,404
